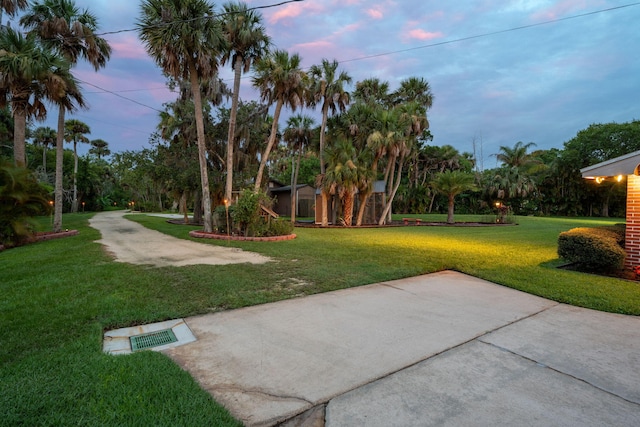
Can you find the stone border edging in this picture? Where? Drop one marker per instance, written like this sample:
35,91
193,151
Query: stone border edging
207,235
50,236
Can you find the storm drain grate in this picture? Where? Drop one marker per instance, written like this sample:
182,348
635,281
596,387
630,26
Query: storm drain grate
152,339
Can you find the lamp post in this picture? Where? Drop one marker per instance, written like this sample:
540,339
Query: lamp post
226,209
51,210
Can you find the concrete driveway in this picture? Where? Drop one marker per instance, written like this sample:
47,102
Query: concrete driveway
442,349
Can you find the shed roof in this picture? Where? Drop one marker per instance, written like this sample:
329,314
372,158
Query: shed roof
623,165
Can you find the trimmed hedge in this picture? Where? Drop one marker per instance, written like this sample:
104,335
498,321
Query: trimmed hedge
594,249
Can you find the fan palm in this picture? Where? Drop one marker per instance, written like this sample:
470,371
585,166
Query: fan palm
75,132
451,183
28,75
279,79
100,148
184,40
63,27
11,7
46,137
247,42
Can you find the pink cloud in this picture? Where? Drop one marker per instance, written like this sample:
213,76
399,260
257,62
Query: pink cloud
560,9
294,10
375,13
128,47
421,34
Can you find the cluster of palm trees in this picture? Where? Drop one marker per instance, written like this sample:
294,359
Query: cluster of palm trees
189,41
35,68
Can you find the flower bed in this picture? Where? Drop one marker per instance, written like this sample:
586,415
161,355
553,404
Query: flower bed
207,235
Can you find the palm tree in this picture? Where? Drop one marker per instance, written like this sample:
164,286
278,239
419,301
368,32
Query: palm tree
99,147
326,87
372,92
75,132
517,156
184,40
343,176
298,134
414,89
28,74
280,79
247,42
11,7
61,26
44,136
451,183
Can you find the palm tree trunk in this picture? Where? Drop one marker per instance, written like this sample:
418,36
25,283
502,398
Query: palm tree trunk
74,204
202,158
57,207
347,207
450,209
361,209
324,199
44,159
233,114
270,144
387,208
20,126
294,187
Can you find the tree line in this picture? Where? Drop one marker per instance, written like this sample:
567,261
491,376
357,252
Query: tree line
205,152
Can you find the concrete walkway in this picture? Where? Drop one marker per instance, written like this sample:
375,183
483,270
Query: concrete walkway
440,349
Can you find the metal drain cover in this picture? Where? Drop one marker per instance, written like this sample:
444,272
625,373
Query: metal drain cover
152,339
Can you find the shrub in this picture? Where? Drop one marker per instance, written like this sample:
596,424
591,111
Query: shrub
276,227
21,199
593,249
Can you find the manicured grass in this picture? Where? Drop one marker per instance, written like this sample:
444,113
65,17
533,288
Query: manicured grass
59,296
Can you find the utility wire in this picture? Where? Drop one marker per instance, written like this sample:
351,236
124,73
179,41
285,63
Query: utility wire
219,15
458,40
493,33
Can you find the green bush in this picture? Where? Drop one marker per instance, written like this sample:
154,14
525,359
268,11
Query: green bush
593,249
275,227
21,199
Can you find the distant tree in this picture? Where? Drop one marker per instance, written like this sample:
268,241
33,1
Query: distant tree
99,148
75,132
451,183
46,137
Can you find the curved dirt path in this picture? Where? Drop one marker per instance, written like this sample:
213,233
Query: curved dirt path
130,242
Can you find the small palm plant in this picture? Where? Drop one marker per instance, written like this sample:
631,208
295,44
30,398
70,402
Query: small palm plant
451,183
21,198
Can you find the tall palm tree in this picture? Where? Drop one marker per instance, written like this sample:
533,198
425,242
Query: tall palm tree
28,74
99,147
46,137
451,183
372,91
298,134
247,42
63,27
75,132
185,41
279,79
326,87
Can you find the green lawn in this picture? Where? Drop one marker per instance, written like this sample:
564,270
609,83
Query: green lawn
59,296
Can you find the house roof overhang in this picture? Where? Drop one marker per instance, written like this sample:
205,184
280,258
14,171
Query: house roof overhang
623,165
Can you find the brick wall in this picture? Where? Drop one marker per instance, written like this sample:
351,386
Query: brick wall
632,237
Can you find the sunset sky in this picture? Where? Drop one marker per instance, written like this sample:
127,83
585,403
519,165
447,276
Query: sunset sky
501,71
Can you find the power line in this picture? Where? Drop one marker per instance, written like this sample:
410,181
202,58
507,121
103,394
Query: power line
219,15
120,96
492,33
